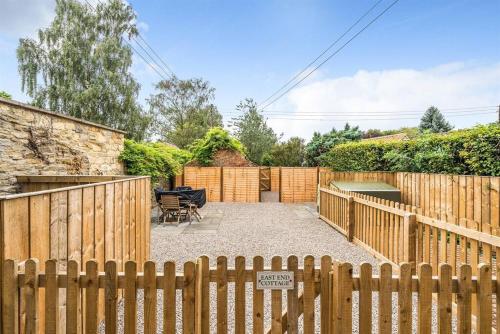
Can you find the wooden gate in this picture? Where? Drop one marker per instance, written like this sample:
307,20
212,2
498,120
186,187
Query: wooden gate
265,179
222,298
202,312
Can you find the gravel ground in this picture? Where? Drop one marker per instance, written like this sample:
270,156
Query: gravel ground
265,229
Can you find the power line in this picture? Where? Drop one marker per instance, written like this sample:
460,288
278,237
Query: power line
332,55
324,51
165,69
370,119
375,113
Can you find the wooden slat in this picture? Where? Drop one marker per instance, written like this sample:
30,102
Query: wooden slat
10,297
111,297
424,298
188,309
464,308
91,297
483,296
405,299
385,299
292,317
130,302
51,297
149,297
309,295
239,294
326,265
72,298
276,299
365,299
169,298
222,289
444,298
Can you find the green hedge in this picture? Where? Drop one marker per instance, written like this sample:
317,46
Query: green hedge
474,151
157,160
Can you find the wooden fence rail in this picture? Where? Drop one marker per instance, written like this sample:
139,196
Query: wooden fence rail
333,281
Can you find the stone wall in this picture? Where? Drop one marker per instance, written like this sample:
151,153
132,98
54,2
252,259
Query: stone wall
39,142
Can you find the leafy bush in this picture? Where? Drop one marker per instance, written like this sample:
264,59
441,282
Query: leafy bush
473,151
214,140
157,160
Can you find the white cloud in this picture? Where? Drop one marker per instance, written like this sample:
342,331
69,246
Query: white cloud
21,18
389,92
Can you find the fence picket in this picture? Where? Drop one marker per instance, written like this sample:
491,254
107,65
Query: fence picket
51,297
111,297
130,313
239,294
464,309
169,298
405,299
292,323
444,298
276,299
365,299
308,294
424,298
72,297
222,295
10,297
149,297
91,297
483,296
188,293
385,298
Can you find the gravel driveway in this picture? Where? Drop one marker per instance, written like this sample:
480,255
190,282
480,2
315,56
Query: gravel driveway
265,229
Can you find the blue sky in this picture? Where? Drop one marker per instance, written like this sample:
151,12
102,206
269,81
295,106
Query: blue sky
419,53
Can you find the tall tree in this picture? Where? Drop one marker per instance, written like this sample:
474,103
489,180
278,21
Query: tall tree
321,144
80,66
252,130
184,110
433,121
289,153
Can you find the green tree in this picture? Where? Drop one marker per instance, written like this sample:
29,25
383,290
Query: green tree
5,95
84,65
184,110
433,121
321,144
290,153
252,131
215,139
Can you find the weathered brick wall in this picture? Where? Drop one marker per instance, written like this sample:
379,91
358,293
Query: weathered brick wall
38,142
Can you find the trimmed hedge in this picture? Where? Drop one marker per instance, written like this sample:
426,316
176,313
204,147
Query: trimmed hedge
473,151
157,160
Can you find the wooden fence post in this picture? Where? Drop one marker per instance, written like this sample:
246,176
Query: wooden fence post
350,218
410,240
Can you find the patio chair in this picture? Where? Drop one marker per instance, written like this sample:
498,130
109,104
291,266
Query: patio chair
171,207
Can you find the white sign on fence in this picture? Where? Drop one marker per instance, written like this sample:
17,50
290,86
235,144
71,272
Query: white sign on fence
275,280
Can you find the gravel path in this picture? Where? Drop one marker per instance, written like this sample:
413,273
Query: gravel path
265,229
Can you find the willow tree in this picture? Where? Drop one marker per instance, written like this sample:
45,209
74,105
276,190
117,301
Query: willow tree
80,65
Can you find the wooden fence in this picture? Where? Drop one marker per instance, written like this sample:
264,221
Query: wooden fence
31,183
447,197
102,221
333,282
402,233
194,283
241,184
298,184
